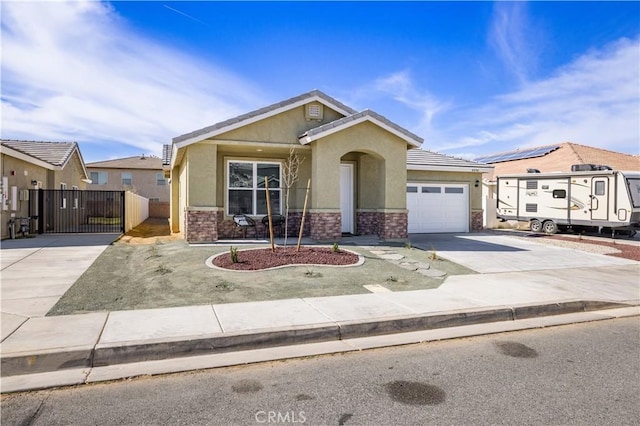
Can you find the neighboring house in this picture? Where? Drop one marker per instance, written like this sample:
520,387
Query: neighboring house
361,178
142,175
548,158
32,165
556,158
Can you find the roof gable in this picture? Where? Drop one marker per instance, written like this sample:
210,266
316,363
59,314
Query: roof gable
357,118
261,114
50,155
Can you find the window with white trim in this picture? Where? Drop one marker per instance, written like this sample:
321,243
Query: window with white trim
63,195
74,190
246,193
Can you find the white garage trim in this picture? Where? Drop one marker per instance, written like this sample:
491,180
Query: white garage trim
438,207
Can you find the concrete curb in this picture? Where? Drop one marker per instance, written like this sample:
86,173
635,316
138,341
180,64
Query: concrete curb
104,355
80,376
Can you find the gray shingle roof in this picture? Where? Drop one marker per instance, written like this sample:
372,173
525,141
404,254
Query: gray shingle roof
54,153
421,158
265,110
135,162
356,116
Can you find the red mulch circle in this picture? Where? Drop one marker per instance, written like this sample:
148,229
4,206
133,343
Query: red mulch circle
256,259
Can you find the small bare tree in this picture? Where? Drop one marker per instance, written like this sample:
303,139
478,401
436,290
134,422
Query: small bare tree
290,175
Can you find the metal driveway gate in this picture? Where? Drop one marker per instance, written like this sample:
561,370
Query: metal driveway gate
76,211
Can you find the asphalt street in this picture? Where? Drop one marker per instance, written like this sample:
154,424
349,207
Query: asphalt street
578,374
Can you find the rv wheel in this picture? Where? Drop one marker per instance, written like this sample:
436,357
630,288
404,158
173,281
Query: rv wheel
549,227
535,225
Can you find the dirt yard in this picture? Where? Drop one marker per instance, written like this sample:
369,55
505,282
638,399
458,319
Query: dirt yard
151,231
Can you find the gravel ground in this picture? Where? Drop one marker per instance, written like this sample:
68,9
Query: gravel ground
165,274
627,250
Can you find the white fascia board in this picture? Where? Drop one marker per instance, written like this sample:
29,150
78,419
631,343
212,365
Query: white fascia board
174,154
29,159
308,139
267,114
448,168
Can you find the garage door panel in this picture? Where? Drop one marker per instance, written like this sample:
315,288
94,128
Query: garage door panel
435,207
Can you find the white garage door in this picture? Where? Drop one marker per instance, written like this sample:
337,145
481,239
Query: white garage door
436,207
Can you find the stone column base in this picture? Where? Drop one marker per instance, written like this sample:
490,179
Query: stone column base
386,225
325,226
201,225
477,219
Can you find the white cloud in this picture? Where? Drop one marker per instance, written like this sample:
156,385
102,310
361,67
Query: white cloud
514,38
417,106
77,71
595,100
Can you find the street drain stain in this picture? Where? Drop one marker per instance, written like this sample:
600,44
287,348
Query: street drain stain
247,386
415,393
303,397
515,350
344,418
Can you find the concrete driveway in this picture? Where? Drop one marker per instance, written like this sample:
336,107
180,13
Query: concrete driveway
36,272
491,253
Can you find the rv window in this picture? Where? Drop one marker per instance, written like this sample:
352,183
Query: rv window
559,193
599,187
634,190
532,184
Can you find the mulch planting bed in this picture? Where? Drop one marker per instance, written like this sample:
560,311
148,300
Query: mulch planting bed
627,251
257,259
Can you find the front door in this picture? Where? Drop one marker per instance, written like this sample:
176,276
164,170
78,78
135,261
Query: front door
599,198
346,197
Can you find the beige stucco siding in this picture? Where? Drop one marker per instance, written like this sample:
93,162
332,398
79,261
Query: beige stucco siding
201,160
475,193
143,182
72,174
281,128
183,193
368,138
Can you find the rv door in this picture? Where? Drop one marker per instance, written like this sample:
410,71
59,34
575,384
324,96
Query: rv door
599,198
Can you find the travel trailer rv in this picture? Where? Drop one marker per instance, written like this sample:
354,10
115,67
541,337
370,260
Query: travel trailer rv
598,197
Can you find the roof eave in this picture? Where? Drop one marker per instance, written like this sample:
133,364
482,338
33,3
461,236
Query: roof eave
29,159
442,168
306,138
241,123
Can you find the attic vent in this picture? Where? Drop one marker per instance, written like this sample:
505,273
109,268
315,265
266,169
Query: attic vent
314,111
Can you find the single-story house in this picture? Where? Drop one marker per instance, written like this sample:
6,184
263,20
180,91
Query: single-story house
29,165
556,158
367,175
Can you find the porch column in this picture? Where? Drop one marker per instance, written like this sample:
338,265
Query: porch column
325,219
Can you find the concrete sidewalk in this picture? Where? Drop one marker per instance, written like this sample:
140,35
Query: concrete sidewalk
73,349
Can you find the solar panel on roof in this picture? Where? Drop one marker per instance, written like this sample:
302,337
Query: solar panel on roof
517,155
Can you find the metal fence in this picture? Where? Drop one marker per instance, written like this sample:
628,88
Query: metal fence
76,211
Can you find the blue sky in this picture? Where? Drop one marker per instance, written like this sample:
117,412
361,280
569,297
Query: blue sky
471,78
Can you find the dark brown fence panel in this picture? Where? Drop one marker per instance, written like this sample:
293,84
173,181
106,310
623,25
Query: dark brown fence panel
76,211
